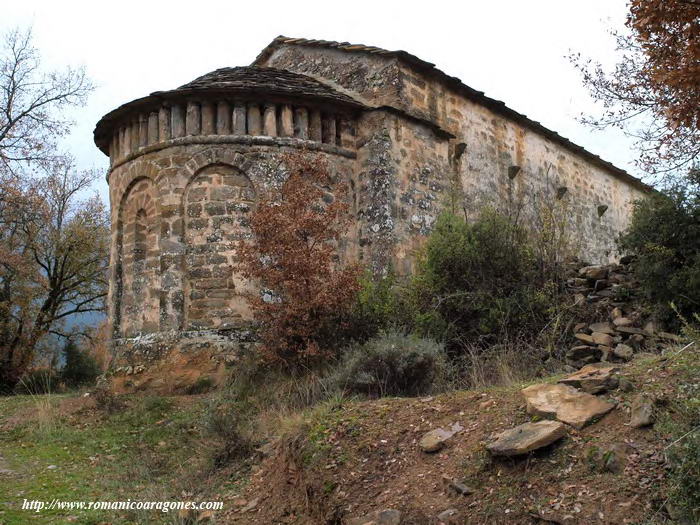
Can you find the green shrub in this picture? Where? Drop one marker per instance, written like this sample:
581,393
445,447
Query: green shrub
684,460
392,364
378,307
80,368
157,404
479,282
664,234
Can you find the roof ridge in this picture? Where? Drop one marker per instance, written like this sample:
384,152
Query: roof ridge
479,96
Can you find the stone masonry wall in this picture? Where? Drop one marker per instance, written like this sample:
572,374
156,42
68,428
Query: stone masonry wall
180,212
500,162
403,182
505,163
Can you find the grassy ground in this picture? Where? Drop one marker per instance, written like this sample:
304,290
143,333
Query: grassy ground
344,458
63,447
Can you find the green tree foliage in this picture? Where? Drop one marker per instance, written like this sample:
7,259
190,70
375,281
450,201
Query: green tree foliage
664,234
377,308
80,368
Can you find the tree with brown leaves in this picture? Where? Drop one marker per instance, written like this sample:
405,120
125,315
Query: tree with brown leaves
293,254
53,237
653,94
54,253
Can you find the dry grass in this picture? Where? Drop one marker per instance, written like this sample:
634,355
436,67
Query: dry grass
500,365
45,406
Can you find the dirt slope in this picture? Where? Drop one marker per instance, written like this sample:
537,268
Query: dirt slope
351,458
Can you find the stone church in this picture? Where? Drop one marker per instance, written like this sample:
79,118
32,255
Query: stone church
186,166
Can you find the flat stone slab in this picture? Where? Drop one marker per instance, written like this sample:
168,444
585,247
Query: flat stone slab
435,439
585,338
526,438
631,330
624,352
594,273
622,321
565,403
601,338
379,517
593,379
604,328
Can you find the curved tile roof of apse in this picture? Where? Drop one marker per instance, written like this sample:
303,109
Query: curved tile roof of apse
242,81
264,79
455,83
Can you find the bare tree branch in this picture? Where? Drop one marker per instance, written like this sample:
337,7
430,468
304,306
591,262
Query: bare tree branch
33,103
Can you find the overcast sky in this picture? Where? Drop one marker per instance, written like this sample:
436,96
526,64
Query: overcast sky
513,50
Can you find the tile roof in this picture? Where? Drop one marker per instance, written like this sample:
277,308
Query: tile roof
264,80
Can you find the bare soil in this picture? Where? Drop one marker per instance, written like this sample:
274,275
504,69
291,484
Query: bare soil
364,456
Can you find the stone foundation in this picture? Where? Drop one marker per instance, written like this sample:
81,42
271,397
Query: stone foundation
173,362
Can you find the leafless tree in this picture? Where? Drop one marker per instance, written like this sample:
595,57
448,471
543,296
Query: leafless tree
33,103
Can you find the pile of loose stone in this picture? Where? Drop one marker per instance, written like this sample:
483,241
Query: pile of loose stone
572,402
603,283
619,337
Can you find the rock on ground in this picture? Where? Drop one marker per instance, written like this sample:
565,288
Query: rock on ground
593,379
585,338
448,516
624,352
593,273
601,338
526,438
565,403
435,439
642,412
457,486
611,458
380,517
622,321
604,328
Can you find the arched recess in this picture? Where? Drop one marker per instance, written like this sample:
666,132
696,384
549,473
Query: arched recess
216,206
136,301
